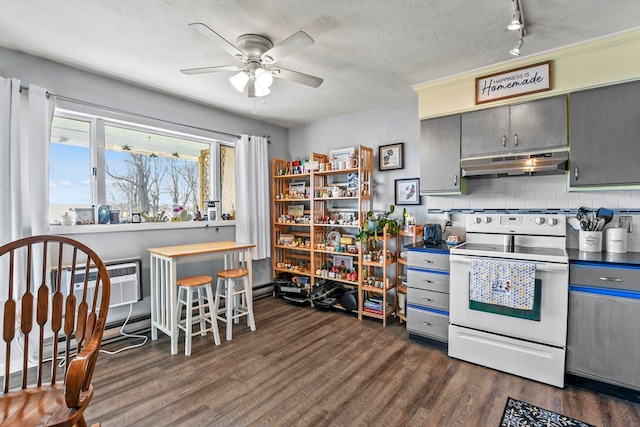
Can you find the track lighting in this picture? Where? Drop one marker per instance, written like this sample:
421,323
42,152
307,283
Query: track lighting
516,17
516,49
517,24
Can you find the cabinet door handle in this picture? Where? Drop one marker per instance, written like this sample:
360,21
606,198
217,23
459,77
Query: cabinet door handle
575,173
611,279
504,141
455,180
515,140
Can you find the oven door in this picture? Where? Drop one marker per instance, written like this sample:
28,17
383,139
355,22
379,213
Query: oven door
551,329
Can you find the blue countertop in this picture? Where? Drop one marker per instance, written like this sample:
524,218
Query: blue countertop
424,247
629,258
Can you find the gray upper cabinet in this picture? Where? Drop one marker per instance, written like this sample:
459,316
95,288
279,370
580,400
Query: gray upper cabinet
531,126
440,155
605,136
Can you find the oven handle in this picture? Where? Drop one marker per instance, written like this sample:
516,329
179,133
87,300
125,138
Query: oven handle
541,266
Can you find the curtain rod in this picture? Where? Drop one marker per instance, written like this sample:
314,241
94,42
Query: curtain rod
115,110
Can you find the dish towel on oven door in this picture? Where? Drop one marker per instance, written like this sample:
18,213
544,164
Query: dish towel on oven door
505,287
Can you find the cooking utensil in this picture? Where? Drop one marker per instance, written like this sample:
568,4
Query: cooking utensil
601,223
607,214
574,223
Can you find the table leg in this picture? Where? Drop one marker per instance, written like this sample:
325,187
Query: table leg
172,289
154,296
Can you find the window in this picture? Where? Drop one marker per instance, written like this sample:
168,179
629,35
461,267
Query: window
135,168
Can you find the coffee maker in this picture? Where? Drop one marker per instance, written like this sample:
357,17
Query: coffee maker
432,234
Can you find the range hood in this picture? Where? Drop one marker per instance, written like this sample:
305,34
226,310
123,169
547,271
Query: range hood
523,164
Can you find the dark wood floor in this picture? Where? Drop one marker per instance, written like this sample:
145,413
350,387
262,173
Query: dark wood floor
307,367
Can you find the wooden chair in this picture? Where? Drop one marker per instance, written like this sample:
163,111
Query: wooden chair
51,383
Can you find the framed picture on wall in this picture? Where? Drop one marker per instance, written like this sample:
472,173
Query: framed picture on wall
408,191
391,156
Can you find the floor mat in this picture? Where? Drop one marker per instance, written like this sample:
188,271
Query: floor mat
522,414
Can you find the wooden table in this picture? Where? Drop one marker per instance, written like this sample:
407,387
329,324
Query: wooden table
164,262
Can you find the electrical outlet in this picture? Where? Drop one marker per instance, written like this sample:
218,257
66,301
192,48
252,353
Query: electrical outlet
625,222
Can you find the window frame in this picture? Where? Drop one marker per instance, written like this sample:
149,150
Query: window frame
97,143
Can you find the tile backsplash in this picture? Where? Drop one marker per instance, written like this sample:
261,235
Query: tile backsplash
537,192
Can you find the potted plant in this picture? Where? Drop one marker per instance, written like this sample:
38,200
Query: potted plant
374,225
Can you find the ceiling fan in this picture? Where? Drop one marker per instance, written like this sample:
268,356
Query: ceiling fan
258,56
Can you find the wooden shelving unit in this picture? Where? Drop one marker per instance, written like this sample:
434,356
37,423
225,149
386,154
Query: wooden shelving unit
377,291
330,214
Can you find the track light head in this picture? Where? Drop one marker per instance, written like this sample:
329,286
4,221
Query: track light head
516,21
516,49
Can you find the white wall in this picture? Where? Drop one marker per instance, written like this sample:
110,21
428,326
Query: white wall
372,128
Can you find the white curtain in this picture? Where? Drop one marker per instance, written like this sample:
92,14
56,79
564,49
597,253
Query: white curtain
25,131
252,194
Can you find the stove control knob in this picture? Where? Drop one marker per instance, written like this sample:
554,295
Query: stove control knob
487,219
477,220
552,221
539,220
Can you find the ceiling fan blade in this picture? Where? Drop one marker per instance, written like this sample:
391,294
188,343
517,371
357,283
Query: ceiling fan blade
296,76
296,42
204,70
219,40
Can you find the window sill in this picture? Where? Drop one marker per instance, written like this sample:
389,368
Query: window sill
146,226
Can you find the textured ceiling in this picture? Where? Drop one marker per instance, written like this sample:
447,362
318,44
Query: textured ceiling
369,52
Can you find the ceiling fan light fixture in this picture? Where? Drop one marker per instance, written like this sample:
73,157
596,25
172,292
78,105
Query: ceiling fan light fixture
262,91
264,79
239,81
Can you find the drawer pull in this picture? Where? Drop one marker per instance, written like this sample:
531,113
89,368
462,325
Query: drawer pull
427,281
427,299
427,323
428,261
611,279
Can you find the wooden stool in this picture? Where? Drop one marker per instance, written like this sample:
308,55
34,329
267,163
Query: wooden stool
233,285
188,286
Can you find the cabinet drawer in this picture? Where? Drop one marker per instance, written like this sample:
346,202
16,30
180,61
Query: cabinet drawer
624,278
428,260
426,323
433,281
428,298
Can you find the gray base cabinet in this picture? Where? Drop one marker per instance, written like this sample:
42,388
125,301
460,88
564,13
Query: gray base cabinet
526,127
440,155
428,294
603,340
605,136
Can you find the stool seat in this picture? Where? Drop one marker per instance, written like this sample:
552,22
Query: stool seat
235,273
233,286
187,287
192,281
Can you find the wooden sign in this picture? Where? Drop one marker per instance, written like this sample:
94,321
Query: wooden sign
517,82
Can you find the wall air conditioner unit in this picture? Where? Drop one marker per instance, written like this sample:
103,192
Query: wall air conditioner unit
126,283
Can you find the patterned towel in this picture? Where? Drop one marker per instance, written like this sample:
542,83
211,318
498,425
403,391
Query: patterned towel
505,283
